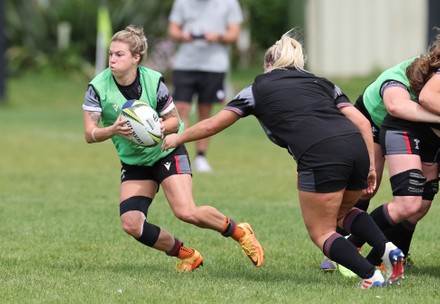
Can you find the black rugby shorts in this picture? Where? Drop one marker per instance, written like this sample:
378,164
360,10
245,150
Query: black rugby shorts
334,164
177,162
419,141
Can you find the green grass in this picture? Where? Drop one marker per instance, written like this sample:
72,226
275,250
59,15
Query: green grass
61,240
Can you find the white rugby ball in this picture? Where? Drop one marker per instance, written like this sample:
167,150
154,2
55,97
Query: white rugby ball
143,121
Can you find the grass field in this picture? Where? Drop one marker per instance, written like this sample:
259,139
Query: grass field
61,240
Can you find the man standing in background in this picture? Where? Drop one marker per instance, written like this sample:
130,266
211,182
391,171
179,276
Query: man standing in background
204,29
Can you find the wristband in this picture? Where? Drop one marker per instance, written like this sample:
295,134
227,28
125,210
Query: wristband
93,135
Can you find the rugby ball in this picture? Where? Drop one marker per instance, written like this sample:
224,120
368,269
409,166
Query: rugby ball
143,121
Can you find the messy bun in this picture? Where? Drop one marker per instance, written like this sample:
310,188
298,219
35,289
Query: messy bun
135,38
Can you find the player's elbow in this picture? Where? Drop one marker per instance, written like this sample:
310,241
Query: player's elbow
88,140
365,124
393,110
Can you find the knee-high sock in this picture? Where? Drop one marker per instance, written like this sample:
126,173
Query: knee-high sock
382,219
400,235
338,249
361,204
361,225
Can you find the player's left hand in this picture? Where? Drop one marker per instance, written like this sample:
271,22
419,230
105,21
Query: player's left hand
120,127
170,141
371,180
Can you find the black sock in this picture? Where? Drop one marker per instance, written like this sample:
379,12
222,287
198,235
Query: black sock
200,153
363,226
401,235
383,221
374,257
356,241
363,204
229,227
176,247
382,218
338,249
341,231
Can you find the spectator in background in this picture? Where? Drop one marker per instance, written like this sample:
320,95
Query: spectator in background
205,29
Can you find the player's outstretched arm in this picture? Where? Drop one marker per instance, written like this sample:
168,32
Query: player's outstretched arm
202,129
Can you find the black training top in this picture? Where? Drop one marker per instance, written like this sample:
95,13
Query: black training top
295,108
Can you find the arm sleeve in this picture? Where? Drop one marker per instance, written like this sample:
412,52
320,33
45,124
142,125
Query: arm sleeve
164,100
243,103
391,84
92,102
341,100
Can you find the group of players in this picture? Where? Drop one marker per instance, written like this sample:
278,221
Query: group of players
339,163
400,106
403,107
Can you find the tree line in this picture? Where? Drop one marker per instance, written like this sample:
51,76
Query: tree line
61,34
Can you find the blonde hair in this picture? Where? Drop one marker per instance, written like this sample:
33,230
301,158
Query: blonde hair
424,67
135,38
285,53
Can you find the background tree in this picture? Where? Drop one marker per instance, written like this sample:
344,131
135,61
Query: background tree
32,29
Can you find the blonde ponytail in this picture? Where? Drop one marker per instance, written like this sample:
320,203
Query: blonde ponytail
285,53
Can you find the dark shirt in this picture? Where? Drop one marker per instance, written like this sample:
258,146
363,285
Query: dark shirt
295,108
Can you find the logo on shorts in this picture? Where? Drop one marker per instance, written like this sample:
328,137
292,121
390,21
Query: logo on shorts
122,174
416,141
167,165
